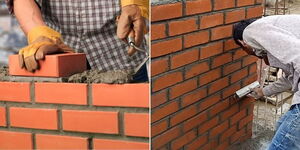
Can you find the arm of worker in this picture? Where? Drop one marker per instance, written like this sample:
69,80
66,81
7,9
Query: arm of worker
281,85
132,22
42,40
282,44
28,14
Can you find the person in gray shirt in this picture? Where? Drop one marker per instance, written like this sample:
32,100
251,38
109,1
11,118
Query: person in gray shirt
276,39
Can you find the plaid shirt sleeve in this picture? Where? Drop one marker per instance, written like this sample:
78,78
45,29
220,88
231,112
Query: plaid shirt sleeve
10,4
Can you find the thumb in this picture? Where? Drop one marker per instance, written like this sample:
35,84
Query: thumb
123,27
44,50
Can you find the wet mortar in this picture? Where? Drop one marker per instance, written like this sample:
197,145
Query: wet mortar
88,76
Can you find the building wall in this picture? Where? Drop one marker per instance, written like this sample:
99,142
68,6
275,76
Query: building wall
73,116
196,68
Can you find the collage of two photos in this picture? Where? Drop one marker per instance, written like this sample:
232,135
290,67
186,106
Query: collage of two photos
149,74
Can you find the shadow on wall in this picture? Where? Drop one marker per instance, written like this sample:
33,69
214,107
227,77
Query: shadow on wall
11,36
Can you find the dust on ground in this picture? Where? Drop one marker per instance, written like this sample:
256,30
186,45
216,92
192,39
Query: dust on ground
88,76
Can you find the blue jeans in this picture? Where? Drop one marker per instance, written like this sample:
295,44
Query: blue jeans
141,75
287,136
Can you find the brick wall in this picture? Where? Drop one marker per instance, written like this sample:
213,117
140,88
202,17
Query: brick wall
73,116
196,68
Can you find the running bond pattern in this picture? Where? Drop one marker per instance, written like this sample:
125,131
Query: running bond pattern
196,68
73,116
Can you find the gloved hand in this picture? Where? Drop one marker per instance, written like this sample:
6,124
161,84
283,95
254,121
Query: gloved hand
132,21
42,40
256,93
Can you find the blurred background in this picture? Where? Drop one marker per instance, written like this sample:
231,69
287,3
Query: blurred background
12,37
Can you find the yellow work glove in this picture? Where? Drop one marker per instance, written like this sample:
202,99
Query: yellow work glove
132,21
42,40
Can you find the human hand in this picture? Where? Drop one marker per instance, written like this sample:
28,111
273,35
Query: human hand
256,93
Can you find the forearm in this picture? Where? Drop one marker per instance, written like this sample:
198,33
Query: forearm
28,14
281,85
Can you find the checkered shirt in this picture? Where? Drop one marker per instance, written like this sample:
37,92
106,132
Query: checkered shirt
89,26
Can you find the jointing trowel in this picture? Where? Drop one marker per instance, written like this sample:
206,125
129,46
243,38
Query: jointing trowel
132,44
246,90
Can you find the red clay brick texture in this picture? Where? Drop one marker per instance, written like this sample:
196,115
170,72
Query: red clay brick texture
196,69
74,116
58,65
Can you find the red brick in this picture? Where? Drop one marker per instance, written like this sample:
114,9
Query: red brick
136,124
228,133
239,54
234,16
90,121
33,118
159,127
61,93
121,95
237,136
232,67
221,32
219,129
158,31
182,26
57,65
2,116
231,111
166,47
221,60
231,90
196,39
194,121
102,144
184,58
15,140
211,50
17,91
229,45
221,4
249,60
181,141
250,79
193,97
158,98
196,144
218,85
237,117
211,20
210,101
223,145
46,142
219,107
245,121
259,1
182,88
164,111
208,125
254,12
210,76
237,76
246,102
198,6
166,137
196,69
159,66
166,80
245,2
183,115
253,69
167,11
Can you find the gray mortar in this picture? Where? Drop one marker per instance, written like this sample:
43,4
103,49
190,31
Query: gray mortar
259,141
160,2
88,76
